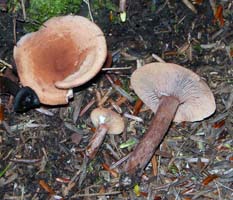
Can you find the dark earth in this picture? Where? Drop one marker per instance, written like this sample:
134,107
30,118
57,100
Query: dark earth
42,151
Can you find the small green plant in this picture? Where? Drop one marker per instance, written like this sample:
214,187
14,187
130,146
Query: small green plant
13,6
197,48
107,5
41,10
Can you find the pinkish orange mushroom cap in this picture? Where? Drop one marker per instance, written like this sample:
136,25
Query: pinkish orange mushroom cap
113,120
65,52
155,80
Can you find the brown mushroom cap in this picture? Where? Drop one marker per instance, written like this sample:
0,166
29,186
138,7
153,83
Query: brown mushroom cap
64,53
113,120
154,80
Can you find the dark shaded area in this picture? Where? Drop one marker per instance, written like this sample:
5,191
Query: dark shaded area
25,99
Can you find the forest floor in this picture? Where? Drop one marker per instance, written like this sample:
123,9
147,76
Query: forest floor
42,153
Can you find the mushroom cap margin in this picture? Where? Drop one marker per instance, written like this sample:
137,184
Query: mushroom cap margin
113,120
154,80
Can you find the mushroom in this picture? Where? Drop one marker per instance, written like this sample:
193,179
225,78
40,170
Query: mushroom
173,93
105,121
64,53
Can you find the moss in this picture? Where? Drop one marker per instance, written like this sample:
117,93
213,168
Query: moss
41,10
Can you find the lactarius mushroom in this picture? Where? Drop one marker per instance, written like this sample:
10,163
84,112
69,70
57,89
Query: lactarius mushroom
173,93
64,53
105,121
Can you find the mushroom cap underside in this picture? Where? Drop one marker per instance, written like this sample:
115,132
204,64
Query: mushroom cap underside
113,120
154,80
64,53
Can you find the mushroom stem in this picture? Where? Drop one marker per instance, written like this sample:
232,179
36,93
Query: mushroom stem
146,147
96,140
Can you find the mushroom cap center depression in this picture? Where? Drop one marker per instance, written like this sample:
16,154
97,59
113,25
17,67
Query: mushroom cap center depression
56,58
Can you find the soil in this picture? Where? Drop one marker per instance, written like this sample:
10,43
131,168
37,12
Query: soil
42,152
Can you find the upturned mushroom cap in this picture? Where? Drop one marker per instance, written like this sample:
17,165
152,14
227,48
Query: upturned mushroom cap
113,120
64,53
154,80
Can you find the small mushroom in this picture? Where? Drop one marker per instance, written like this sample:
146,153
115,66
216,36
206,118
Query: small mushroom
105,121
173,93
64,53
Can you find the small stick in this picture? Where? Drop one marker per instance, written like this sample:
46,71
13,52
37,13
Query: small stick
96,194
114,173
119,89
121,100
137,107
122,5
46,187
213,5
119,162
1,111
86,108
154,165
14,30
26,161
113,152
105,97
6,64
115,106
156,57
139,119
78,103
23,9
89,9
116,68
190,6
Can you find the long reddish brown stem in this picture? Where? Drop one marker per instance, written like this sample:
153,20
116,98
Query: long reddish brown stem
146,147
96,141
